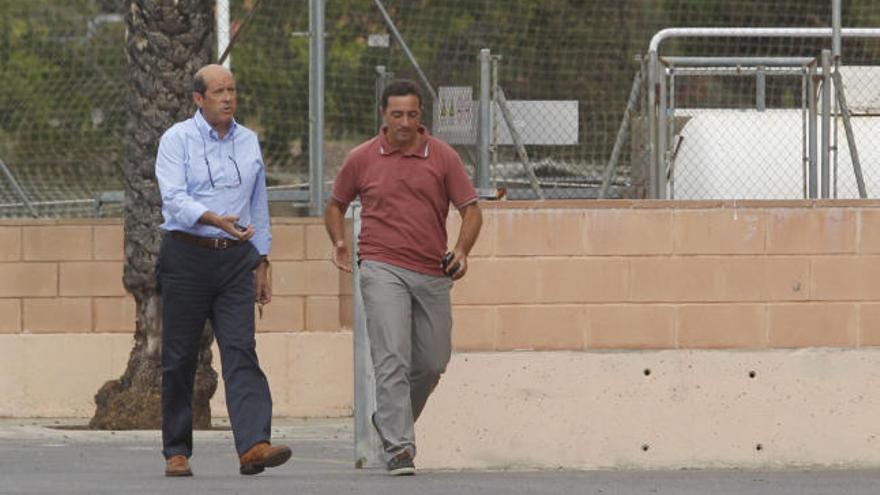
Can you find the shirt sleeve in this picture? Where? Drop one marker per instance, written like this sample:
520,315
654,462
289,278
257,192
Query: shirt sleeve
259,207
458,185
345,187
171,176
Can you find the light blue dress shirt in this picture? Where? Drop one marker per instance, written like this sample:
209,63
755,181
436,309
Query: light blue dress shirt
198,172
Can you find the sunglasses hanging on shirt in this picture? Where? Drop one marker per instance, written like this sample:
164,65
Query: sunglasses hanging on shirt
208,165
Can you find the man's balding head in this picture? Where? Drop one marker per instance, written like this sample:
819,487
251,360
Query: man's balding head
210,71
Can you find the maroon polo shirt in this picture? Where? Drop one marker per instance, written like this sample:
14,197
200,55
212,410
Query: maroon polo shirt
405,199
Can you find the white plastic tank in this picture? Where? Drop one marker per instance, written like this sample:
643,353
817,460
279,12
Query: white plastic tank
751,154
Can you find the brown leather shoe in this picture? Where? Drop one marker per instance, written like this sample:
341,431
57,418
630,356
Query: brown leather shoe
263,455
177,465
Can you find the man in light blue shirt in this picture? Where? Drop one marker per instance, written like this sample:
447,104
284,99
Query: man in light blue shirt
213,264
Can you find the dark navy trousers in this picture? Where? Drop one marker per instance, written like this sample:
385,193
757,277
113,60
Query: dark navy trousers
197,284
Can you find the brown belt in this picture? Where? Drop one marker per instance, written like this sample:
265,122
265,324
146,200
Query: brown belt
208,242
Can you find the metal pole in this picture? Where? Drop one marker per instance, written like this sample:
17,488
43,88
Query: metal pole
850,136
836,138
493,141
760,89
382,78
316,106
670,135
652,125
18,190
811,122
836,55
485,129
406,50
826,124
805,155
836,29
367,445
520,147
223,30
622,132
737,62
662,147
773,32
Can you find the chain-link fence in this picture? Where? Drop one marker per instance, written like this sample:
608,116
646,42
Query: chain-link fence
62,112
768,123
565,67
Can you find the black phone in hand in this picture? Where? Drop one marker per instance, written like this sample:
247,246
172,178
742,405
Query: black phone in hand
448,270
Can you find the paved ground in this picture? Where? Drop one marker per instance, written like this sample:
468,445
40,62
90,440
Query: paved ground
36,458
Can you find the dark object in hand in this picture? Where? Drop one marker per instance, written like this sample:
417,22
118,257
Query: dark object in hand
239,227
449,270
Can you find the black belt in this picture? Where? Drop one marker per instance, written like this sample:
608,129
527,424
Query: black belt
208,242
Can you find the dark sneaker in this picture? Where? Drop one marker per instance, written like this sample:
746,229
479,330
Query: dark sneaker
401,465
385,443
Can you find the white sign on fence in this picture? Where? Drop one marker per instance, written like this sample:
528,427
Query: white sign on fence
456,115
545,122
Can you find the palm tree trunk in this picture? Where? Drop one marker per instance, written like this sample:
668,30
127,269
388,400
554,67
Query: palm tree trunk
166,43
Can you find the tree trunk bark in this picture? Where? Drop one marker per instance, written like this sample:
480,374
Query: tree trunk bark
166,43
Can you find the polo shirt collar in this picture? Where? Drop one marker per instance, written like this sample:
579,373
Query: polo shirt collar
206,130
386,148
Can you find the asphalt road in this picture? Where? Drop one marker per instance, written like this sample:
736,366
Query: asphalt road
38,458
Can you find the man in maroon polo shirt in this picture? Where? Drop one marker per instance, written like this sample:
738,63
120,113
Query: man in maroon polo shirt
406,180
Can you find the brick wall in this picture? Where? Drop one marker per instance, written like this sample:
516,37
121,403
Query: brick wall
636,275
66,277
66,322
556,275
544,276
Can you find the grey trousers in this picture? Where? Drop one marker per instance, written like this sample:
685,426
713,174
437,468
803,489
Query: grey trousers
409,323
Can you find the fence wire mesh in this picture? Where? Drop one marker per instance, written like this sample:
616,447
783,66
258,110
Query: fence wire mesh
62,111
744,131
62,70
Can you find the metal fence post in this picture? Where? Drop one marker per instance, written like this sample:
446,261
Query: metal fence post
805,152
836,53
485,122
316,106
622,133
850,135
653,179
18,190
382,78
662,148
367,445
760,88
826,124
812,138
518,142
223,31
836,29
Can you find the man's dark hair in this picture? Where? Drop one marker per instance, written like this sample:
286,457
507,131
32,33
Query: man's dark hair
401,87
199,85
